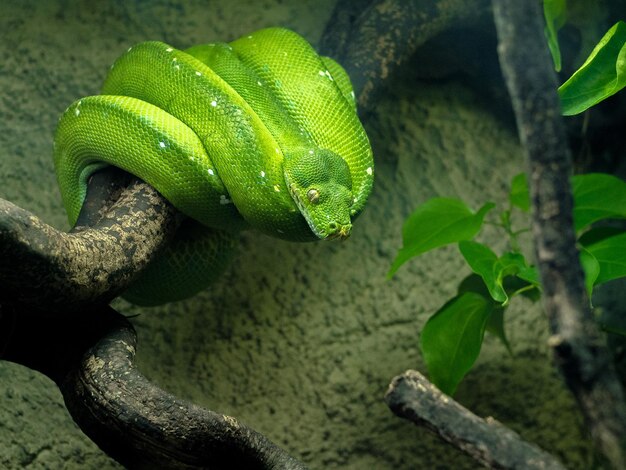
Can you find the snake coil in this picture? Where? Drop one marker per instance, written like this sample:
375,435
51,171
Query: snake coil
258,133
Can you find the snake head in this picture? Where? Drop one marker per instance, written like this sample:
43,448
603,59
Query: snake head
319,182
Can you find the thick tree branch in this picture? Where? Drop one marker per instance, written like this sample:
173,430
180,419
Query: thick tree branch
57,271
413,397
372,38
579,347
134,421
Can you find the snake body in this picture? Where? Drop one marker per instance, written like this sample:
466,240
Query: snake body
258,133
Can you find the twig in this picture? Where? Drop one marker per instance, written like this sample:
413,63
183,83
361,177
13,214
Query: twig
413,397
578,346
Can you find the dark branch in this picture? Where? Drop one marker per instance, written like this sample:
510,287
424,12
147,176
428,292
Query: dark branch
57,271
579,347
372,38
413,397
135,422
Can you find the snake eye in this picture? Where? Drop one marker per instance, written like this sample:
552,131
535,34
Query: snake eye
313,195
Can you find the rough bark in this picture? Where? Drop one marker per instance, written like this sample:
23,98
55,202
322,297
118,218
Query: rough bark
91,358
372,38
55,271
413,397
579,347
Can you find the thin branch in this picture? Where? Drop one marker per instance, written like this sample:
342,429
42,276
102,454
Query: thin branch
413,397
578,345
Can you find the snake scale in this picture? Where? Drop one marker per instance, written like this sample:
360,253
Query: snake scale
261,133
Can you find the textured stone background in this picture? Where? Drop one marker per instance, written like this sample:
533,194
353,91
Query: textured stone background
298,341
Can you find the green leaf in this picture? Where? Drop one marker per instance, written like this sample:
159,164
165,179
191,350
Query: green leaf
452,338
603,74
482,261
438,222
554,12
495,326
511,265
591,267
473,283
515,285
519,196
531,275
494,271
597,234
610,253
597,196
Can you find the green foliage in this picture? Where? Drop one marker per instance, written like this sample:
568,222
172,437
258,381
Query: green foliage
452,337
610,254
555,14
436,223
602,75
519,197
597,196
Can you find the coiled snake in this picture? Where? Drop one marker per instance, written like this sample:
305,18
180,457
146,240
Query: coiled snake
258,133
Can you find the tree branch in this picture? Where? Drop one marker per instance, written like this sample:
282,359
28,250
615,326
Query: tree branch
578,345
92,361
413,397
372,38
52,270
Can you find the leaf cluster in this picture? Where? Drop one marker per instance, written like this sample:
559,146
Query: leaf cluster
452,337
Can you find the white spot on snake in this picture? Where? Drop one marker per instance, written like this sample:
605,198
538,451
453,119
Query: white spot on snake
129,49
77,111
174,59
276,188
214,103
330,77
262,174
369,170
169,49
211,172
259,83
279,230
177,67
224,200
249,37
162,145
321,72
277,150
198,73
311,152
352,94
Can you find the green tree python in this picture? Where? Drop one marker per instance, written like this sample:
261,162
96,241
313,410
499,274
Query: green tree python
258,133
